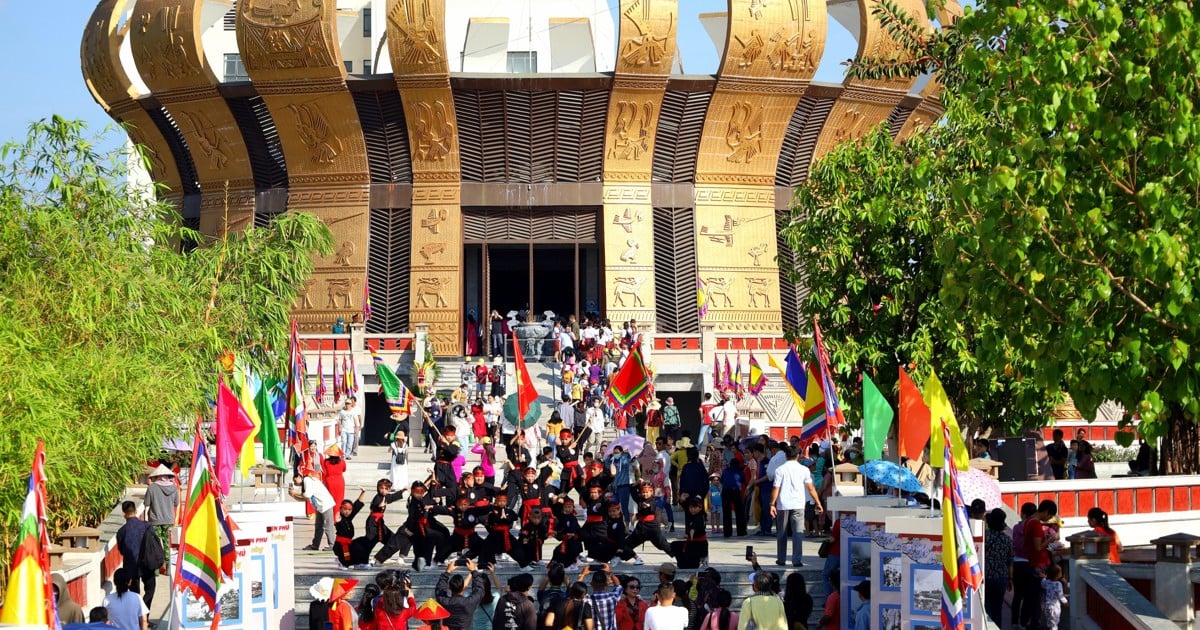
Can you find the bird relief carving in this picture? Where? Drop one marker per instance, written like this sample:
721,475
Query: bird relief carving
757,252
344,253
629,256
632,130
434,131
314,130
744,132
419,43
206,137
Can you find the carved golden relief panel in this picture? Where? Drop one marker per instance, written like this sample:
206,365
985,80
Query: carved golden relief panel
735,247
781,39
629,261
110,86
165,40
436,286
742,137
647,37
866,103
320,136
289,40
416,41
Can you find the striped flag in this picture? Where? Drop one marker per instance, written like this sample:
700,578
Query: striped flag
758,380
961,575
630,386
296,414
319,395
728,379
833,407
337,378
739,386
206,540
366,311
351,375
793,378
701,298
29,599
716,372
815,418
245,394
399,399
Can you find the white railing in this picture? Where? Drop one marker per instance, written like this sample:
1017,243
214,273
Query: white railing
1118,593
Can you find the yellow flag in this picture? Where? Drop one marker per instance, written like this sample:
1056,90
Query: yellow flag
797,397
939,410
246,399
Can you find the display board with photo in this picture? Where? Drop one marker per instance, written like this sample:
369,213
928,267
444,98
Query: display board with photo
925,589
889,617
860,559
891,571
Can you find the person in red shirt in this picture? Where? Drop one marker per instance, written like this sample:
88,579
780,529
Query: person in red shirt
834,559
831,616
631,610
706,420
1036,539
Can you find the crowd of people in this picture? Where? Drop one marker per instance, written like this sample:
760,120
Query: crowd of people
469,596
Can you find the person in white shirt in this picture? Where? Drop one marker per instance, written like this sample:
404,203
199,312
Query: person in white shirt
347,426
666,615
788,497
311,489
730,416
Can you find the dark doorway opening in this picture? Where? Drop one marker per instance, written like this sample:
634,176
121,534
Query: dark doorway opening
554,285
508,278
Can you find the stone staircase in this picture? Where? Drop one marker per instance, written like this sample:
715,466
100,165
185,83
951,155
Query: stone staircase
726,555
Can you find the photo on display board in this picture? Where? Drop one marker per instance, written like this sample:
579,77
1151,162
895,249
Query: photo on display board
925,625
889,617
926,584
891,571
860,558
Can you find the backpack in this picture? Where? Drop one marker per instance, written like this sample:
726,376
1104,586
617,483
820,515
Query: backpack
546,604
152,555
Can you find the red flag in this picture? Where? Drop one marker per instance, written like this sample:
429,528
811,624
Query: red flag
630,387
526,392
914,418
233,427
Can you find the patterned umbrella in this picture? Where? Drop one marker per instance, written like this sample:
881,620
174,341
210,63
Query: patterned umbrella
892,475
976,484
633,444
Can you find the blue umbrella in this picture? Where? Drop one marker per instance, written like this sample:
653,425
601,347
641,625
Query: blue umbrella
892,475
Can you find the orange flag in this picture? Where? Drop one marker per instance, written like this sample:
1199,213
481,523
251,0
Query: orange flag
526,393
914,418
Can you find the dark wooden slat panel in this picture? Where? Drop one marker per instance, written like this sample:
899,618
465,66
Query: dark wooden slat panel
592,128
792,289
388,269
543,136
262,141
492,136
569,136
675,271
179,148
518,120
470,138
896,119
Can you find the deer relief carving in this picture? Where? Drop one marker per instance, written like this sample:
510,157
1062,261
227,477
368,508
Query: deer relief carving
718,290
434,131
314,130
627,286
306,302
338,290
757,289
206,137
647,48
430,288
630,254
632,130
419,33
744,132
342,256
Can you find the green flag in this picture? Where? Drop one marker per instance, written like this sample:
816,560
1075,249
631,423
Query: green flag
269,434
877,420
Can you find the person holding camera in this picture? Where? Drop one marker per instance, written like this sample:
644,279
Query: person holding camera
603,599
451,592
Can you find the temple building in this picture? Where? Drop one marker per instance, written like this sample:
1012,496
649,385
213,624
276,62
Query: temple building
470,156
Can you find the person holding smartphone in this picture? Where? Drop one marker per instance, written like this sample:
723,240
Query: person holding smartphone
603,598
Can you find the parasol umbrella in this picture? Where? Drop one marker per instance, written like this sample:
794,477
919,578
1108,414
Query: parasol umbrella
530,419
176,444
892,475
632,444
977,484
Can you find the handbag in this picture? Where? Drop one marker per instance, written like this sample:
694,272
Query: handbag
823,550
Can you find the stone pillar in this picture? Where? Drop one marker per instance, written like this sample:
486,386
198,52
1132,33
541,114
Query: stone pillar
1172,582
1086,547
358,337
708,345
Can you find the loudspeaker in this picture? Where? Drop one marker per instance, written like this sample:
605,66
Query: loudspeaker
1019,456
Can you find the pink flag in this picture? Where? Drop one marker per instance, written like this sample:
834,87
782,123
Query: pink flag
233,427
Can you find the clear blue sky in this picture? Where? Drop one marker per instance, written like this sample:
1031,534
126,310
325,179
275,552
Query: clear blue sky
40,42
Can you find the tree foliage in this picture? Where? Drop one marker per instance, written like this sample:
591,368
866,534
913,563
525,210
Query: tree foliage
1071,192
109,334
865,225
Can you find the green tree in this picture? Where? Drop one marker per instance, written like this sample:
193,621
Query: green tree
865,224
109,334
1073,190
